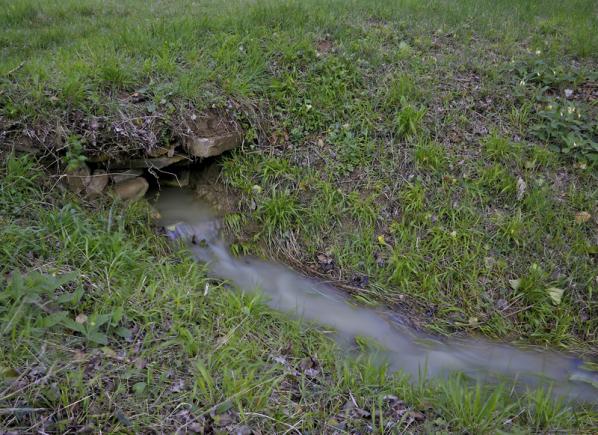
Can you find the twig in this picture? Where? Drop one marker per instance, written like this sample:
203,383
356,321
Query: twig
291,428
15,69
10,411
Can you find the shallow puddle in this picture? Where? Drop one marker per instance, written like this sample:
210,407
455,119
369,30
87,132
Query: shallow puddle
194,222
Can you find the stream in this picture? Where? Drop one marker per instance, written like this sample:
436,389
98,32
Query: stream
194,222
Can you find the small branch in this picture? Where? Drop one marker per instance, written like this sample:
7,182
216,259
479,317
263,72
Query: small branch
15,69
10,411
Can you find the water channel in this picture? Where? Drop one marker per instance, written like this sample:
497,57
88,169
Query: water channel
195,223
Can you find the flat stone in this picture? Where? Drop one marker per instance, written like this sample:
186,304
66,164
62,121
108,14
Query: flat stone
77,179
98,158
97,183
131,190
157,163
119,177
160,151
212,146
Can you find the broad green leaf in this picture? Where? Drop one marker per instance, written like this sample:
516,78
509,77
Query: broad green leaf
139,387
592,249
8,373
54,319
71,298
97,337
73,326
117,315
556,294
100,319
124,332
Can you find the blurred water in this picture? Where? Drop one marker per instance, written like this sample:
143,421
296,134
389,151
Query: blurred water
194,222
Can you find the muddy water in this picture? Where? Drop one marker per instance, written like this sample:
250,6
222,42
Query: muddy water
194,222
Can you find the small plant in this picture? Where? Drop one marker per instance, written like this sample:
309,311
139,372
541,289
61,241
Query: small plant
543,411
34,301
95,327
566,129
234,222
512,227
74,157
37,302
539,72
430,155
520,117
560,123
413,197
409,119
401,87
279,211
497,179
353,150
472,407
500,148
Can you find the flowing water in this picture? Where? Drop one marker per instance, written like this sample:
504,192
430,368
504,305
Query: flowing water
196,223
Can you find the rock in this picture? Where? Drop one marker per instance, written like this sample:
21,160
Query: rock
160,151
97,183
212,146
158,163
77,179
243,430
98,158
119,177
131,190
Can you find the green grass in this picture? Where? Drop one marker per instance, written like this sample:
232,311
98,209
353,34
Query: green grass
418,146
107,328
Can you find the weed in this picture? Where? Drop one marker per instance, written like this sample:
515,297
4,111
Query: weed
409,119
500,148
430,155
279,212
568,130
475,409
74,156
544,412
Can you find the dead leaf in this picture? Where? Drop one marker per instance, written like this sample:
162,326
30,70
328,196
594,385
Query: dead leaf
79,356
515,283
324,47
177,387
110,353
312,373
521,188
582,217
81,319
280,360
308,363
326,262
417,416
223,420
196,428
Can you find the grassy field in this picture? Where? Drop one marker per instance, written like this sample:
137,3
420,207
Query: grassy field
106,328
435,156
